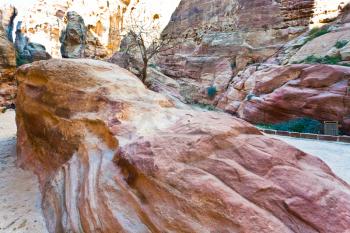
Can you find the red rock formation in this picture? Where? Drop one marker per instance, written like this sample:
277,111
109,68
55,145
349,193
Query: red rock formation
113,156
282,93
219,38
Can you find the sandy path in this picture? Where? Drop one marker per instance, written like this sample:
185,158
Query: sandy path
20,198
335,154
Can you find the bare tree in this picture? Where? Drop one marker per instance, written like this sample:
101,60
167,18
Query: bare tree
146,40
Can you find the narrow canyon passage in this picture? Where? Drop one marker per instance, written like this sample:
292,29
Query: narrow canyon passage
20,198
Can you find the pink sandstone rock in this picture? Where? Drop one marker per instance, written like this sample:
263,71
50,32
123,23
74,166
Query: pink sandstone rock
281,93
113,156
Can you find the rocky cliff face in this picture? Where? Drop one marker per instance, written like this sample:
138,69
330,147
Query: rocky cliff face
272,92
220,38
105,21
280,93
113,156
8,14
7,69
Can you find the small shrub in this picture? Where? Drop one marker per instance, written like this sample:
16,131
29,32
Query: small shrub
20,60
233,65
317,32
250,97
207,107
300,125
312,59
154,66
341,44
211,91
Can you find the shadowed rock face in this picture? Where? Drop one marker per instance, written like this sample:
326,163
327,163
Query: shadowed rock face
73,37
113,156
79,41
28,52
281,93
7,17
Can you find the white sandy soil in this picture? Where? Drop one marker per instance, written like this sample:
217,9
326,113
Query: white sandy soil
335,154
20,199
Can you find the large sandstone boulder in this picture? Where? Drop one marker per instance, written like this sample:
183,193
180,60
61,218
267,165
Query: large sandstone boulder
281,93
113,156
7,70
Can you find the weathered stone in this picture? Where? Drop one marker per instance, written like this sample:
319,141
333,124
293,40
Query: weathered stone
322,46
217,39
345,53
94,48
108,20
113,156
7,17
26,51
281,93
73,37
7,70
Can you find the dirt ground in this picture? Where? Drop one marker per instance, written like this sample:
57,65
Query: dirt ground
335,154
20,197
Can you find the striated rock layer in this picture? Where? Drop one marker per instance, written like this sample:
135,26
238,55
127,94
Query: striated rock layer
113,156
281,93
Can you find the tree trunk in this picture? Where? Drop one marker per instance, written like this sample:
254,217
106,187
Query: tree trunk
144,71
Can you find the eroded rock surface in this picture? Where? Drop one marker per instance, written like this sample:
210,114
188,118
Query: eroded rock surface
8,14
113,156
281,93
7,70
219,38
73,37
26,51
44,20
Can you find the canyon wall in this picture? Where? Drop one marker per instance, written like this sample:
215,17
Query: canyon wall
216,39
105,20
8,14
7,64
308,77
